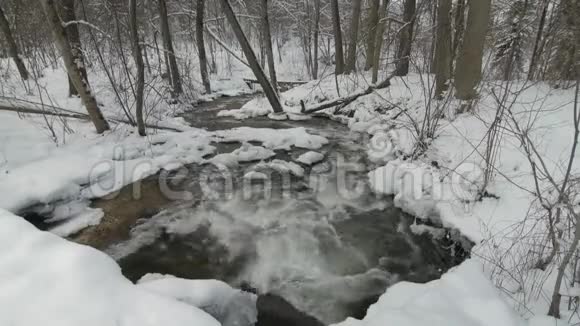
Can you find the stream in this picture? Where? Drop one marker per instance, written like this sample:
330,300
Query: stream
315,250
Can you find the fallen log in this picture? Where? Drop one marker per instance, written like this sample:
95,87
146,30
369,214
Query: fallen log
344,101
289,83
79,116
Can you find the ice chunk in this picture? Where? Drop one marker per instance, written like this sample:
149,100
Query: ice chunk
310,158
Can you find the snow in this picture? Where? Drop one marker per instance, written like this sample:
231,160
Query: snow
273,138
310,158
281,166
462,297
248,153
46,280
99,166
229,306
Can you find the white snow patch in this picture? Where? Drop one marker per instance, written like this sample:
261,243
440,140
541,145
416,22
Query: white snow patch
310,158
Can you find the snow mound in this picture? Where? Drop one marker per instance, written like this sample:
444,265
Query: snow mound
310,158
462,297
282,167
248,153
46,280
229,306
273,138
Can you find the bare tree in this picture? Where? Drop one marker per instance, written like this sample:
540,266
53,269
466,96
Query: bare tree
379,40
201,45
372,30
459,22
406,39
72,31
169,52
72,67
468,69
12,47
138,57
267,39
355,20
443,47
251,56
539,33
338,53
316,36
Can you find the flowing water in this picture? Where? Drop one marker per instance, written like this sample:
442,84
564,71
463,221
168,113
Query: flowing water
314,241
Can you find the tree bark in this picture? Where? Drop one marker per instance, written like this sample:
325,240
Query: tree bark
372,30
459,21
72,68
468,70
316,35
12,47
201,45
379,40
74,39
251,56
535,52
406,39
169,52
351,57
338,53
443,47
268,45
137,56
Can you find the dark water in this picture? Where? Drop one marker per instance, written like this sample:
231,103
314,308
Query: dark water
310,243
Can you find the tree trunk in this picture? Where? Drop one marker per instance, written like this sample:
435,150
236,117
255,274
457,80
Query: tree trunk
372,30
316,35
459,20
535,52
267,37
468,70
169,52
12,47
251,56
338,53
201,45
351,57
139,65
443,47
379,40
72,68
406,39
74,39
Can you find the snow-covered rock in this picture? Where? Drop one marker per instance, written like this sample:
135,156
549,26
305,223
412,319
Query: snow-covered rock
310,158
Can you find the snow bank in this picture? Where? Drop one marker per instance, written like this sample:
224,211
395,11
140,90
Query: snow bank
99,166
45,280
462,297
